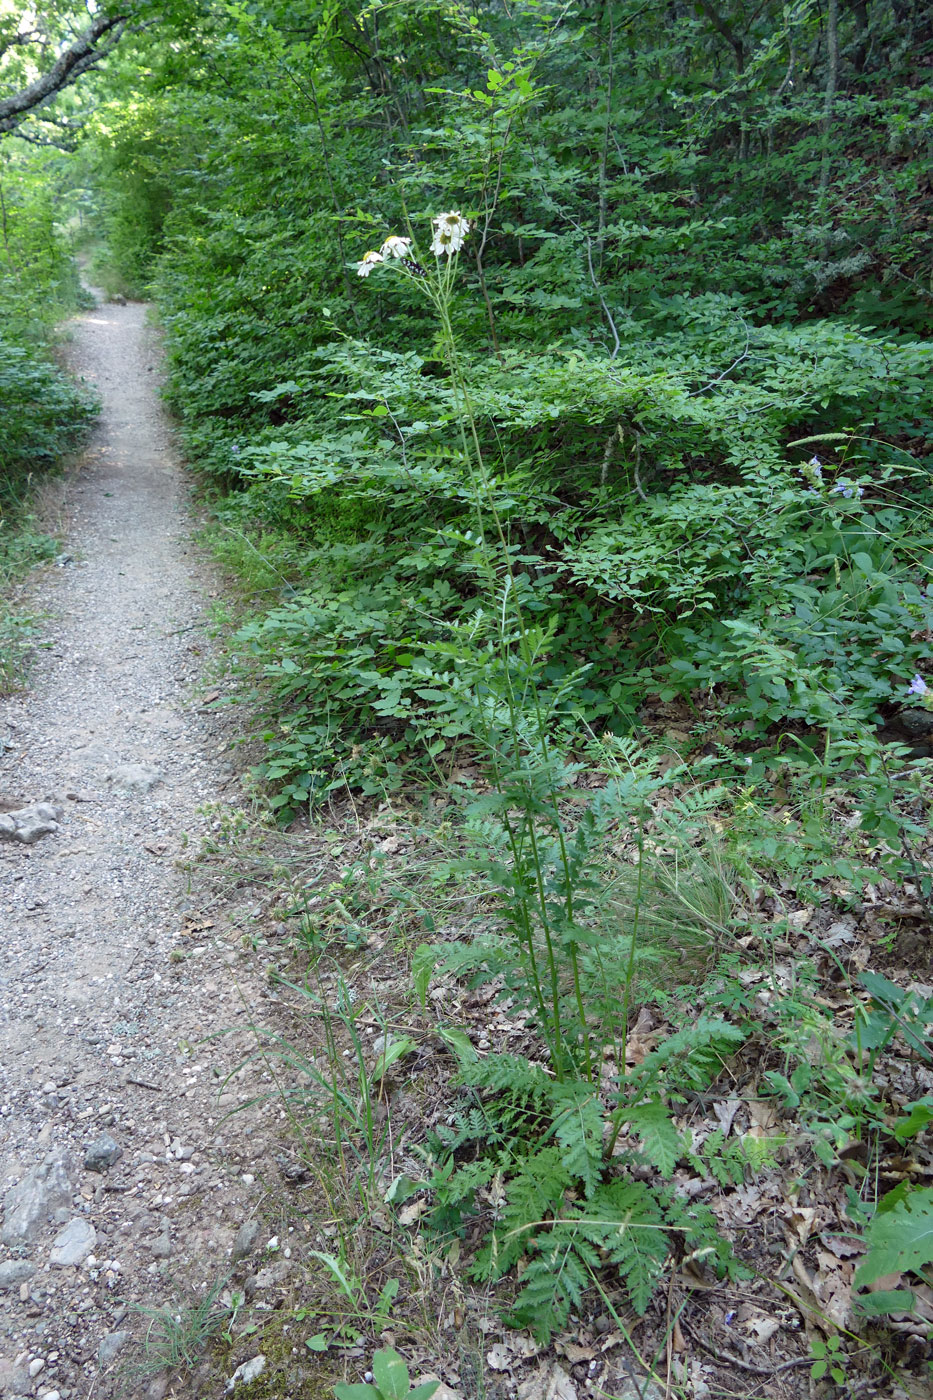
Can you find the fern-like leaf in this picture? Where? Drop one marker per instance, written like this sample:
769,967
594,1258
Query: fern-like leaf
660,1141
625,1220
579,1130
554,1282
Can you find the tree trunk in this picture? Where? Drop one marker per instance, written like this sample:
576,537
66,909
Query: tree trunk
829,99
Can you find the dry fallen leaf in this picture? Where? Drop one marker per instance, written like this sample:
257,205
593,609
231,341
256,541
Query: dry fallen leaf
499,1357
573,1351
745,1203
764,1119
410,1213
725,1114
560,1386
801,1220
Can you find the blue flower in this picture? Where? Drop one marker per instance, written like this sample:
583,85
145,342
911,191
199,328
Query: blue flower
812,471
847,488
918,686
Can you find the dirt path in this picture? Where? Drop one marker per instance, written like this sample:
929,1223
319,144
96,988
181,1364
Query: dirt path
107,974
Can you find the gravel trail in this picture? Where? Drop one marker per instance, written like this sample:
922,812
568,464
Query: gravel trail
120,1180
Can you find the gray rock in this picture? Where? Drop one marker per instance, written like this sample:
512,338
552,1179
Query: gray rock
247,1372
101,1153
916,722
134,777
161,1246
246,1238
28,824
73,1244
14,1380
111,1343
28,1205
13,1272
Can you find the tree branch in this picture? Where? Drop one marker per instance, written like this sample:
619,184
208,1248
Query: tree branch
87,50
735,41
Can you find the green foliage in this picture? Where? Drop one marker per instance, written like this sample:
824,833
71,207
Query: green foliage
391,1381
527,488
43,413
829,1359
643,341
900,1241
568,1211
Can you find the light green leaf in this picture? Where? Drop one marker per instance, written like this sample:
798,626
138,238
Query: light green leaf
900,1239
395,1050
921,1113
356,1392
660,1140
390,1374
459,1042
423,963
423,1391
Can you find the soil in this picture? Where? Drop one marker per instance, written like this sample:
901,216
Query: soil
111,975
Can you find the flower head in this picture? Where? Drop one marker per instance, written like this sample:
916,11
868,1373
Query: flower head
812,471
370,260
449,232
395,247
918,686
844,487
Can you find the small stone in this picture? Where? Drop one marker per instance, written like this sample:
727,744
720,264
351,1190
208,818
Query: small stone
161,1246
101,1153
246,1238
111,1343
249,1371
35,1366
13,1272
73,1244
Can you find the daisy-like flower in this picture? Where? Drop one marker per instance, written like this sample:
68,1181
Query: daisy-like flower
395,247
370,260
449,232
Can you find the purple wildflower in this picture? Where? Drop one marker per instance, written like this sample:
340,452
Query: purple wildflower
918,686
847,488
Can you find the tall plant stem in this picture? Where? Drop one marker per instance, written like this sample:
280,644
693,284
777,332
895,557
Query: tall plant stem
473,454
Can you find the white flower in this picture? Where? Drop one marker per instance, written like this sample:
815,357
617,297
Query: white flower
395,247
369,262
449,232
